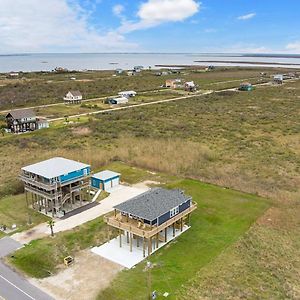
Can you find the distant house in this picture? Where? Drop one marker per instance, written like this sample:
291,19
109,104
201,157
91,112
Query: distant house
174,83
118,100
42,123
138,68
119,71
246,86
73,97
61,70
105,180
21,120
127,94
13,74
278,79
130,73
190,86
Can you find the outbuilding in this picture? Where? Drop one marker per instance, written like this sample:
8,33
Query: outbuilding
105,180
118,100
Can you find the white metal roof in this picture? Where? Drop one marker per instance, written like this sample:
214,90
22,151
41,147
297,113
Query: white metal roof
104,175
127,92
54,167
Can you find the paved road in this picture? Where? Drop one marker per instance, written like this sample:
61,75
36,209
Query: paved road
12,285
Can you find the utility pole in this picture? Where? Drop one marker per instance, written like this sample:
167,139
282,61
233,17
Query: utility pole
149,280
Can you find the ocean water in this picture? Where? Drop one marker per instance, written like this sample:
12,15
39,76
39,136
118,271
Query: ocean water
111,61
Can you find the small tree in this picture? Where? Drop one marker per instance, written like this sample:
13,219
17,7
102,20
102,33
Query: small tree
51,225
3,131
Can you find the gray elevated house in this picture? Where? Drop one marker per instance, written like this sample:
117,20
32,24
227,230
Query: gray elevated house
150,215
21,120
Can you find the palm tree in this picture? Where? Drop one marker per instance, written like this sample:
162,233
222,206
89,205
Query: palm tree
51,225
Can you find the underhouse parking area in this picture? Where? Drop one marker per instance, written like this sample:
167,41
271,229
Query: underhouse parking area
122,255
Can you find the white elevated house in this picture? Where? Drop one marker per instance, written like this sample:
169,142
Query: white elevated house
127,94
73,97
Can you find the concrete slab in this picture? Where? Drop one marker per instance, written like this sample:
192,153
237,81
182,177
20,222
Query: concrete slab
122,256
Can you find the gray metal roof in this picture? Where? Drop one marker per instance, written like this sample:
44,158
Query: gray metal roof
54,167
152,204
76,93
22,113
104,175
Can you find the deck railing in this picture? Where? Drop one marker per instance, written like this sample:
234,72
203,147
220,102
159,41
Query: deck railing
148,231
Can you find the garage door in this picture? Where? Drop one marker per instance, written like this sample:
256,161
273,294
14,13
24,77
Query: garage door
115,182
107,186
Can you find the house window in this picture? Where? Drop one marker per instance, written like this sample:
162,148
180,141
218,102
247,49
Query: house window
174,211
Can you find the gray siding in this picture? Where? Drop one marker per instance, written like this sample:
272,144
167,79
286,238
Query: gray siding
184,206
165,217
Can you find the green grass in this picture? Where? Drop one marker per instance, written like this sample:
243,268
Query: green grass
222,217
43,257
134,175
13,210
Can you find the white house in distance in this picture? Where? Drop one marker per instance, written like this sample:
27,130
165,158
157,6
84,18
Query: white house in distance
42,123
127,94
190,86
118,100
73,97
105,180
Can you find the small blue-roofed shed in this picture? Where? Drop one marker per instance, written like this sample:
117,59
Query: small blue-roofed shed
105,180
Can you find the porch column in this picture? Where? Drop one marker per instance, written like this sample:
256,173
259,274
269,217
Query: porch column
149,246
157,240
173,229
166,234
120,237
181,224
144,246
127,237
137,240
130,242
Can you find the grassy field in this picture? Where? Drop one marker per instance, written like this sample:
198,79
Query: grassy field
245,141
43,257
223,215
44,88
14,211
221,218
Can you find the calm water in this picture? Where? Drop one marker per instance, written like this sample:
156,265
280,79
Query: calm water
47,62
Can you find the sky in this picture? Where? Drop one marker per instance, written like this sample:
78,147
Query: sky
78,26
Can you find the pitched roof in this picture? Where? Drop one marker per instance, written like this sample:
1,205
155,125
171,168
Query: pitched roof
54,167
22,113
76,93
106,174
154,203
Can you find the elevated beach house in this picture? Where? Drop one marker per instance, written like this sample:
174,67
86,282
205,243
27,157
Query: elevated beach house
151,217
174,83
73,97
56,185
21,120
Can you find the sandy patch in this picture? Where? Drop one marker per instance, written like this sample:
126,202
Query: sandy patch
82,131
146,184
83,280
